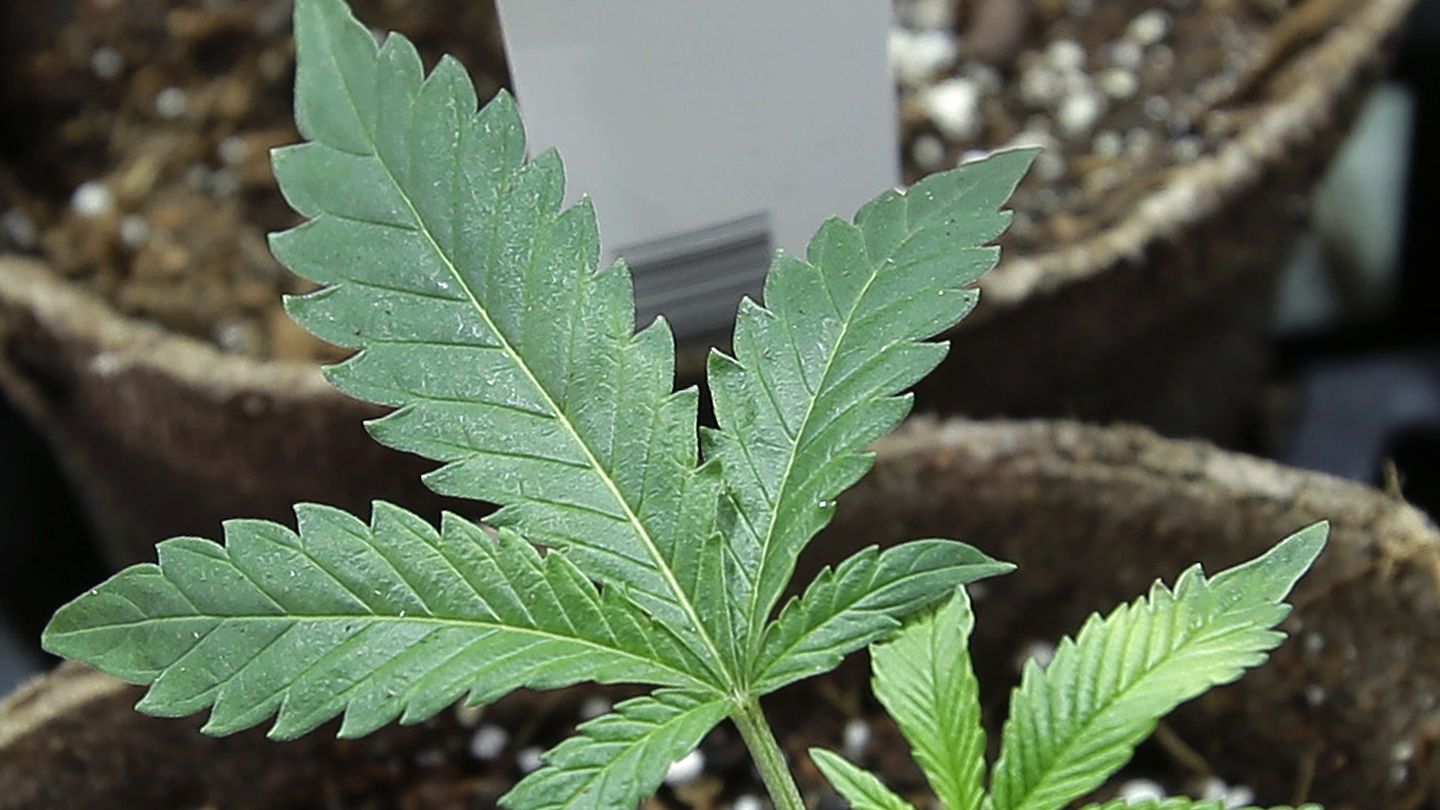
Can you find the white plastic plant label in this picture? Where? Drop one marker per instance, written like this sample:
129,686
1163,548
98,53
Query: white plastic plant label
708,134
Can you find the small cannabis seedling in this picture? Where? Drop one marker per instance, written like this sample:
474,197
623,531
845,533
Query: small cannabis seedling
1076,721
478,314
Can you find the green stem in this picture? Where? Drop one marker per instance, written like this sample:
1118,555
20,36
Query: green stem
769,759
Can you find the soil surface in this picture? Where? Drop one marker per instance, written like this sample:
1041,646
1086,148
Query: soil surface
135,143
465,760
135,133
468,758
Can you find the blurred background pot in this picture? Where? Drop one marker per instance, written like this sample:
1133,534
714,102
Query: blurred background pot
164,435
1155,307
1345,713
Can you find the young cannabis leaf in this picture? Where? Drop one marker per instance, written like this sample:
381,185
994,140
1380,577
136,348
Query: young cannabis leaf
477,312
1184,804
1075,722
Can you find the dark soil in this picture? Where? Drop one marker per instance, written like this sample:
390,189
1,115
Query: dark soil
135,143
134,133
1118,92
436,767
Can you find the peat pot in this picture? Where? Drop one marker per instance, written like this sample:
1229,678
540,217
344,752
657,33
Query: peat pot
1345,713
1158,313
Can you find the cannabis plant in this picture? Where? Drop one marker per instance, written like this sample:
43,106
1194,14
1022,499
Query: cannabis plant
628,546
1074,722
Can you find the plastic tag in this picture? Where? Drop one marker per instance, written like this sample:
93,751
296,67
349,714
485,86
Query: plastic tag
709,134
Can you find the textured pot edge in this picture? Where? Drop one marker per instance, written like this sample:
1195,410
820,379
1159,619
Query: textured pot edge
123,342
69,687
1190,463
992,439
1195,192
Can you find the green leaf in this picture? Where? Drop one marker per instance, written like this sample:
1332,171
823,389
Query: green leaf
924,680
858,602
817,370
1077,721
381,621
858,786
479,315
446,258
1184,804
620,758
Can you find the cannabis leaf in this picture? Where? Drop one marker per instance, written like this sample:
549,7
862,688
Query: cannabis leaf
1076,721
924,680
858,786
818,368
446,259
857,603
1182,804
381,621
473,299
622,754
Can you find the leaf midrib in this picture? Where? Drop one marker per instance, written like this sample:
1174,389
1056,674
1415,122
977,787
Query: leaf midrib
1196,636
602,772
756,623
373,618
777,659
681,597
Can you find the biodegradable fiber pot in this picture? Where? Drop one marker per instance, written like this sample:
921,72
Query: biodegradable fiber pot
165,435
1345,713
1161,318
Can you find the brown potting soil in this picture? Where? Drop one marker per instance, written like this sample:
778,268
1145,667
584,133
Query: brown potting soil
136,138
135,132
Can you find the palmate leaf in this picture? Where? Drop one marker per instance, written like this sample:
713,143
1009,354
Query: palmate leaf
924,680
817,369
1184,804
472,298
857,785
1075,722
382,621
621,756
858,602
446,259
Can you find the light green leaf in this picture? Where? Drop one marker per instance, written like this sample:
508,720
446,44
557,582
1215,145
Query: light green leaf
620,758
924,680
1184,804
817,370
858,786
374,621
858,602
1075,722
445,257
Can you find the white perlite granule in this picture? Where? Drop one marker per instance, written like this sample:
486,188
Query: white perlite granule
171,102
92,199
954,107
686,769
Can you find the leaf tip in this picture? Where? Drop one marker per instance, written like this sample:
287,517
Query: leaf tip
1271,576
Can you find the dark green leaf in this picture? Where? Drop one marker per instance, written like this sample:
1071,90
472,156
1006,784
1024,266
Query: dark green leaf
382,621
